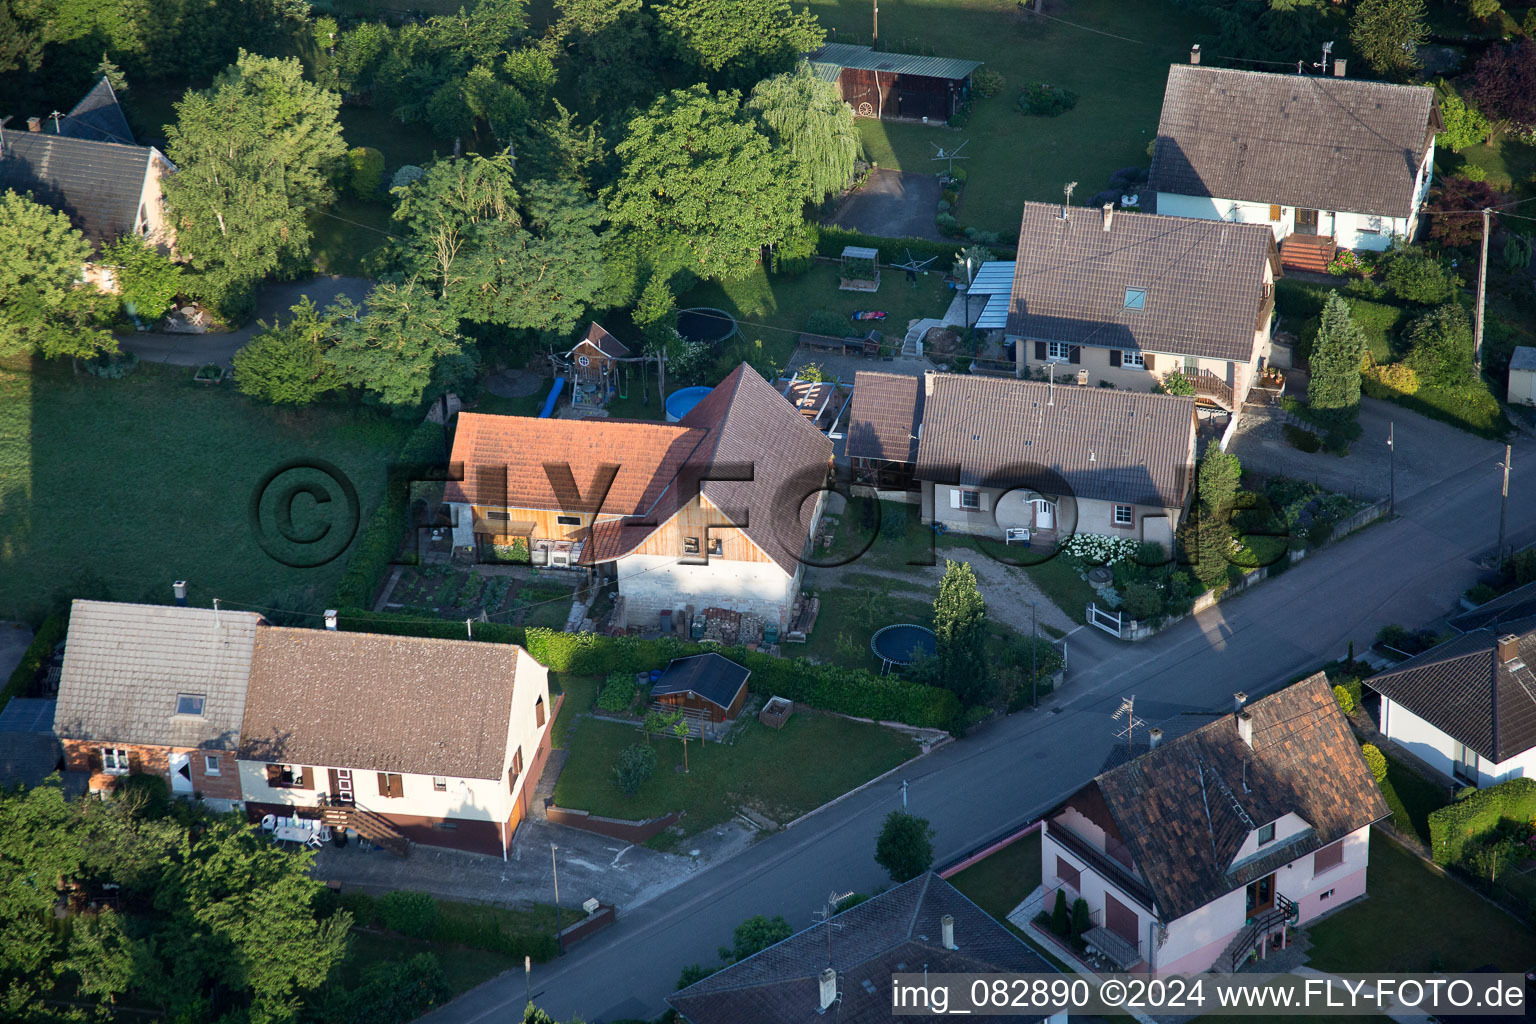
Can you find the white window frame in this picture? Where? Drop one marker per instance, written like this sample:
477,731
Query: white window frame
1130,515
1133,358
114,760
211,764
1270,828
1057,351
1140,295
974,496
439,784
202,702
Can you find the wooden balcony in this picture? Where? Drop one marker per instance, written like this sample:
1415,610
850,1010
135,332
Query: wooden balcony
1212,390
1307,252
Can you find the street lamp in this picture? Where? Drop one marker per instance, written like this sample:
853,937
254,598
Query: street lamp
559,942
1034,658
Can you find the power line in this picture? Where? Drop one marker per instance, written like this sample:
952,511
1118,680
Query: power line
1086,28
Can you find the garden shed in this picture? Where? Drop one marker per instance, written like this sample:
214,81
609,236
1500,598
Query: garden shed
713,685
895,86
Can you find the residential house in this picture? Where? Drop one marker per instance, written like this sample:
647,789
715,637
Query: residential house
709,685
895,86
841,969
883,421
440,742
93,171
1115,298
1509,607
999,455
1467,707
155,689
1323,162
1205,849
712,511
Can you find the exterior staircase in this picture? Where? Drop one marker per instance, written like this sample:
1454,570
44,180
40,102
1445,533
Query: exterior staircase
1307,252
1212,390
377,830
1246,941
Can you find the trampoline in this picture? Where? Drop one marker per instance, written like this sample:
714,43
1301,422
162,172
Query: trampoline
899,645
706,324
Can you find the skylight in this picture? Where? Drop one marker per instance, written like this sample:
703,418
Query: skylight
1135,298
189,704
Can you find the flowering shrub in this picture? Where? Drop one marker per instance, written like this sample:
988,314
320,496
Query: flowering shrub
1098,549
1346,262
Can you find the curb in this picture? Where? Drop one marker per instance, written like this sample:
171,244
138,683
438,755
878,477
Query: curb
857,789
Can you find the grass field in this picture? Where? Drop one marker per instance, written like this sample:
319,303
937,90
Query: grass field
1411,797
1003,880
1114,55
781,773
115,488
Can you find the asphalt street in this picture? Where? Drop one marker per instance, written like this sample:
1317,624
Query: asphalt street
1408,570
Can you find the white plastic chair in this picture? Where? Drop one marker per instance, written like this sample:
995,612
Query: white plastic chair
268,822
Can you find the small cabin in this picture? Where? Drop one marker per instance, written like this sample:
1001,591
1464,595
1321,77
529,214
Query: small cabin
594,361
713,685
895,86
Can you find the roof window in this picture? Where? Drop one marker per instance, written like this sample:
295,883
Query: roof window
1135,298
189,704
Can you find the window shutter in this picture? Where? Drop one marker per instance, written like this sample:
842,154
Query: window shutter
1069,874
1329,856
383,784
95,761
307,781
1040,350
538,712
954,498
1114,357
274,776
1274,212
396,786
984,501
1146,360
1075,354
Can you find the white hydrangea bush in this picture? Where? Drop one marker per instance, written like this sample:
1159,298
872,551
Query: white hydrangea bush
1098,549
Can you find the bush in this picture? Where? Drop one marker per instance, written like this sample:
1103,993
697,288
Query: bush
1061,924
1374,758
393,992
693,974
634,767
1465,125
362,907
618,692
1081,919
1346,702
1389,381
1415,276
1481,594
1141,601
986,83
1299,438
1477,816
365,171
948,224
826,322
147,280
1175,383
1044,100
404,176
483,927
905,846
413,914
148,794
37,655
1441,352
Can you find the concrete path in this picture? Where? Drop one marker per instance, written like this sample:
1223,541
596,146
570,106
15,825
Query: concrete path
272,307
1408,570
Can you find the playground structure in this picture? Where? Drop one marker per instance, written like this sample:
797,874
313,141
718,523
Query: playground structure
899,645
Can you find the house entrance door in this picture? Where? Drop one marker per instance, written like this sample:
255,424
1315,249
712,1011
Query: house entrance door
1121,920
341,785
1306,222
180,766
1045,515
1261,896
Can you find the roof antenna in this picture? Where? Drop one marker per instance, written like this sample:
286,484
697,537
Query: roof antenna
1050,389
1068,190
826,914
215,613
1128,709
55,115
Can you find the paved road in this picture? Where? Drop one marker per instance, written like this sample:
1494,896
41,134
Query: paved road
1408,570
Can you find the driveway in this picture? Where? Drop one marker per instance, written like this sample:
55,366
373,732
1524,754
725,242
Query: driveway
272,307
893,204
14,639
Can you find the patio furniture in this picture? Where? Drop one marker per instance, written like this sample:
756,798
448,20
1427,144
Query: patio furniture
268,822
292,834
1017,535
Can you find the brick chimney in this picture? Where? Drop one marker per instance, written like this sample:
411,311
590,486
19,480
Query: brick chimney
1109,214
34,124
1338,68
1509,648
1194,54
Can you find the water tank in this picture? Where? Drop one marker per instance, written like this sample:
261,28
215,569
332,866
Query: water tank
681,402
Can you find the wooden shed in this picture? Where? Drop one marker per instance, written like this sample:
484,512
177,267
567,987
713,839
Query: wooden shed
895,86
708,683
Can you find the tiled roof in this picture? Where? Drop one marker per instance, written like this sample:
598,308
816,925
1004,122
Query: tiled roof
505,460
1461,688
1295,140
98,117
1185,808
1202,281
713,677
849,55
887,407
1519,603
380,703
895,932
604,342
1101,443
96,184
28,757
125,664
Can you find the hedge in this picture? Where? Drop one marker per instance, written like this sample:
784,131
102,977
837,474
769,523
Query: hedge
828,687
1456,826
36,655
422,456
896,250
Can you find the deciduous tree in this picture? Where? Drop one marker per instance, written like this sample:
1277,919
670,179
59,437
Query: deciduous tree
285,364
1465,125
441,211
1504,83
404,349
754,935
1440,347
42,308
1454,203
741,41
147,279
905,846
808,118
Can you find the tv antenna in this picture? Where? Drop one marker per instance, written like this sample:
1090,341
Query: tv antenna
834,899
1128,712
950,155
1323,66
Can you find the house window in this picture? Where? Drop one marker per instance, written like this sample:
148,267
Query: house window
211,764
1132,357
499,516
289,776
1191,365
1125,515
1326,894
970,499
1058,351
439,784
538,712
1267,834
1135,298
690,545
1274,212
189,704
390,785
514,770
714,546
1464,763
1370,226
1069,874
568,520
114,760
1330,856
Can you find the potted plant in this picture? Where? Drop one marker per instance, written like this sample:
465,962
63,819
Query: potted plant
209,373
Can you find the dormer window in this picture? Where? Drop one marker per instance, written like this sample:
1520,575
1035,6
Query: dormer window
1135,298
1266,834
189,704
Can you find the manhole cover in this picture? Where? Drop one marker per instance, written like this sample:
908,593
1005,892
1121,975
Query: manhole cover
1100,576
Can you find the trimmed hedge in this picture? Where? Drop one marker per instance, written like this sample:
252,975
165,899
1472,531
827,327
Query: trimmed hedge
36,655
894,250
828,687
1458,826
422,456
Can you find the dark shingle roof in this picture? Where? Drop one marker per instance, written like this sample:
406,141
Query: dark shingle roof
1461,688
96,184
714,678
1100,443
1519,603
1203,281
28,714
897,931
604,342
28,757
98,117
1177,806
886,409
1321,143
380,703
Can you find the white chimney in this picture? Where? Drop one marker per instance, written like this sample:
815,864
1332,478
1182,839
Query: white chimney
1109,214
1238,700
330,618
1245,727
828,990
1154,737
1194,54
1338,69
947,931
179,589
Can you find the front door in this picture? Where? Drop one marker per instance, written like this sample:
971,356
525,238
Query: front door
341,786
1261,896
1045,515
1306,222
180,766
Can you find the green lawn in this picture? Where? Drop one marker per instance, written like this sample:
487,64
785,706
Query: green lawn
1417,920
850,614
1013,157
1412,797
1003,880
464,967
580,692
781,773
115,488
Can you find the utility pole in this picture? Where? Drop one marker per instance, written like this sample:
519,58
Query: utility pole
1482,287
1034,657
528,980
1391,467
661,374
875,41
559,942
903,794
1498,554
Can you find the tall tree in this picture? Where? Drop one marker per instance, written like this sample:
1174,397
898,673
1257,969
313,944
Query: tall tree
1504,83
285,364
1388,34
1337,353
960,631
1455,205
740,41
42,308
702,189
905,846
442,210
147,279
808,117
1219,475
1465,125
402,347
20,44
256,153
1440,349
